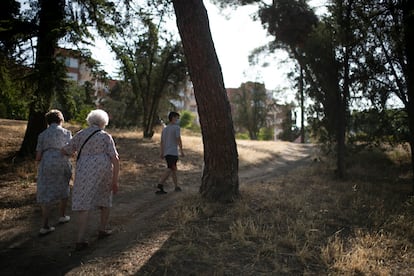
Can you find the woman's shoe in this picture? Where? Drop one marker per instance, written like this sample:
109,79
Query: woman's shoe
44,231
64,219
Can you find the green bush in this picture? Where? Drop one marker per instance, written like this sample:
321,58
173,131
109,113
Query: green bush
265,134
242,136
80,117
186,119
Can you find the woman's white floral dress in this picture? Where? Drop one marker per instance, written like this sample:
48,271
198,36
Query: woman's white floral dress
93,177
54,169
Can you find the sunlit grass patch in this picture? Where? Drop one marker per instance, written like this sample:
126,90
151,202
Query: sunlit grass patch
12,132
369,253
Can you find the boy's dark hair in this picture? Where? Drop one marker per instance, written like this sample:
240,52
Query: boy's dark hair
172,115
54,116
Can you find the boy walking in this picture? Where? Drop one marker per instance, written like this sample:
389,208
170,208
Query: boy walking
170,142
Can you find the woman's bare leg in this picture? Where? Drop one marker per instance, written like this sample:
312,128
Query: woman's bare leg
62,207
45,215
82,224
104,218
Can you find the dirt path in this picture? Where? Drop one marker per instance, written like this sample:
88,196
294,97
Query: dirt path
135,217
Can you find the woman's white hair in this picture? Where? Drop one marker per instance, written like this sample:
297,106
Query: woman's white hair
98,117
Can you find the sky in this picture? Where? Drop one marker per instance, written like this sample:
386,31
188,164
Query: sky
235,35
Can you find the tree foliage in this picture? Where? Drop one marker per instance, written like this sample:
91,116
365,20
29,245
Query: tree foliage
152,61
290,22
374,127
358,56
123,106
14,90
289,129
251,106
35,31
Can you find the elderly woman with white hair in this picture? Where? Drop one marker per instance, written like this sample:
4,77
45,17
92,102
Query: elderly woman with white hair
97,171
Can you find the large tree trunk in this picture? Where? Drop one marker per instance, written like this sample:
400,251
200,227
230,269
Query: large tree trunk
220,181
343,98
50,19
152,115
302,105
342,119
340,139
408,17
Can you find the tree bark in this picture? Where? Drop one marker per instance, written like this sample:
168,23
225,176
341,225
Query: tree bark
51,16
343,98
220,181
302,105
408,19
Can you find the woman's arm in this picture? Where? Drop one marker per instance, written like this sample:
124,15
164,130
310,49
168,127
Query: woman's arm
115,173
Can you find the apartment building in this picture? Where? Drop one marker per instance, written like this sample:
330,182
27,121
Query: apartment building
277,113
79,72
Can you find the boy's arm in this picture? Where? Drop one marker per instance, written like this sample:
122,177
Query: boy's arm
180,145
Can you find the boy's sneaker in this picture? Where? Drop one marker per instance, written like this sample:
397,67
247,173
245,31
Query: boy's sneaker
177,189
45,231
81,245
161,191
104,233
64,219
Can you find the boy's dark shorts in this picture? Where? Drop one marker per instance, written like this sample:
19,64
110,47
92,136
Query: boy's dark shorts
171,161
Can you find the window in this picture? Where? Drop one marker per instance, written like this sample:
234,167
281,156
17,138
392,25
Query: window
72,62
72,76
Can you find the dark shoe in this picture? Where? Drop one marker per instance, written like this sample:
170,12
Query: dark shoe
161,191
81,245
177,189
103,234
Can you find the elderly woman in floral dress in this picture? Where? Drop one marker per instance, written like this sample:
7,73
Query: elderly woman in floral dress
97,172
54,169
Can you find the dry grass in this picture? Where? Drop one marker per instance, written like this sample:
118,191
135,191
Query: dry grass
304,223
300,223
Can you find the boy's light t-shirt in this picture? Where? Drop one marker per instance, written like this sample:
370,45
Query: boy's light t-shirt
169,137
